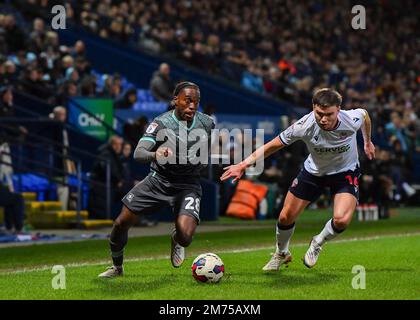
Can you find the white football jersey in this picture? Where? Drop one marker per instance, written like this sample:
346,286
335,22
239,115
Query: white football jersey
330,151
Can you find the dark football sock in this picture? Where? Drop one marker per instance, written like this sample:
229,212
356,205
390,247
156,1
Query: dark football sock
117,242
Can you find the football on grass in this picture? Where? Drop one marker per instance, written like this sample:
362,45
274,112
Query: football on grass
208,268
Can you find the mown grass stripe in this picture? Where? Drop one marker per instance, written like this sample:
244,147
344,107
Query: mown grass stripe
161,257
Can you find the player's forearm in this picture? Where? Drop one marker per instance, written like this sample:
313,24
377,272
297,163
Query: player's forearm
144,156
367,128
143,153
263,152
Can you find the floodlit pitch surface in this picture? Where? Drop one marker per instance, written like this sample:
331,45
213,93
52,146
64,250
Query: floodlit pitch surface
387,250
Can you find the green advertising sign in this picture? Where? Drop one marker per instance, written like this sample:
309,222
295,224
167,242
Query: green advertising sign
80,114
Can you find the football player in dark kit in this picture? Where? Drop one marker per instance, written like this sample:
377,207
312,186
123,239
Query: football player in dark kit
174,179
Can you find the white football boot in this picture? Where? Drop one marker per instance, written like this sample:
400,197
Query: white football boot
311,256
177,252
112,272
277,259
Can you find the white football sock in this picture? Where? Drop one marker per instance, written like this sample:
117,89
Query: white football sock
283,235
328,233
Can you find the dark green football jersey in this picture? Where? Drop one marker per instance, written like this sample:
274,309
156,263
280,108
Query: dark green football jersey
187,143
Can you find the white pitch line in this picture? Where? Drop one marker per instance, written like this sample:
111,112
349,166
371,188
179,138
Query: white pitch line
257,248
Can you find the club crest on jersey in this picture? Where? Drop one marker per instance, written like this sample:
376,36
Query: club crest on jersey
152,127
130,197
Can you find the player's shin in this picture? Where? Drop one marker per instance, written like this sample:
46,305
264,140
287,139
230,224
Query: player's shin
284,234
117,242
329,232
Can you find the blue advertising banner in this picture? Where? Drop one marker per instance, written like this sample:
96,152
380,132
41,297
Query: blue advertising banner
271,125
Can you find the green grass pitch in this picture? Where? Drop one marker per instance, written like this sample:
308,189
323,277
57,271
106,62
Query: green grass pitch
388,250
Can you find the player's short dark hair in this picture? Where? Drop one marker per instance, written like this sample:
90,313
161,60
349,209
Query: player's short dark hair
184,84
327,97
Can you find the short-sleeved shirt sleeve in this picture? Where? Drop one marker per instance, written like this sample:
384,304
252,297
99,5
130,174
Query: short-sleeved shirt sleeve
295,132
357,116
151,131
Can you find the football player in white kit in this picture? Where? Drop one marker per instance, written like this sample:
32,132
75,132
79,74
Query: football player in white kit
330,136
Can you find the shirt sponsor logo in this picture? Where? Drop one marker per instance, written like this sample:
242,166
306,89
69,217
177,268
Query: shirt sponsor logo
340,149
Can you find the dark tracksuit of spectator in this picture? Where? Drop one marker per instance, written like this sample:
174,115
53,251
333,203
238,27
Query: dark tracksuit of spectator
13,204
127,101
161,85
97,197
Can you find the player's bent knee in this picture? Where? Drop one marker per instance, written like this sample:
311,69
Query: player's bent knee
122,224
119,223
125,220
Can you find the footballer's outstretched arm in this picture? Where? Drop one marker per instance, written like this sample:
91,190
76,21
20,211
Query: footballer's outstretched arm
367,136
143,153
237,170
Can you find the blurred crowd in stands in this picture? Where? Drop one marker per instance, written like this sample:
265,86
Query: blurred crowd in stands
33,61
284,49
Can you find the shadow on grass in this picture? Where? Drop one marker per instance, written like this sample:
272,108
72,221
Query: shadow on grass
283,279
130,284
